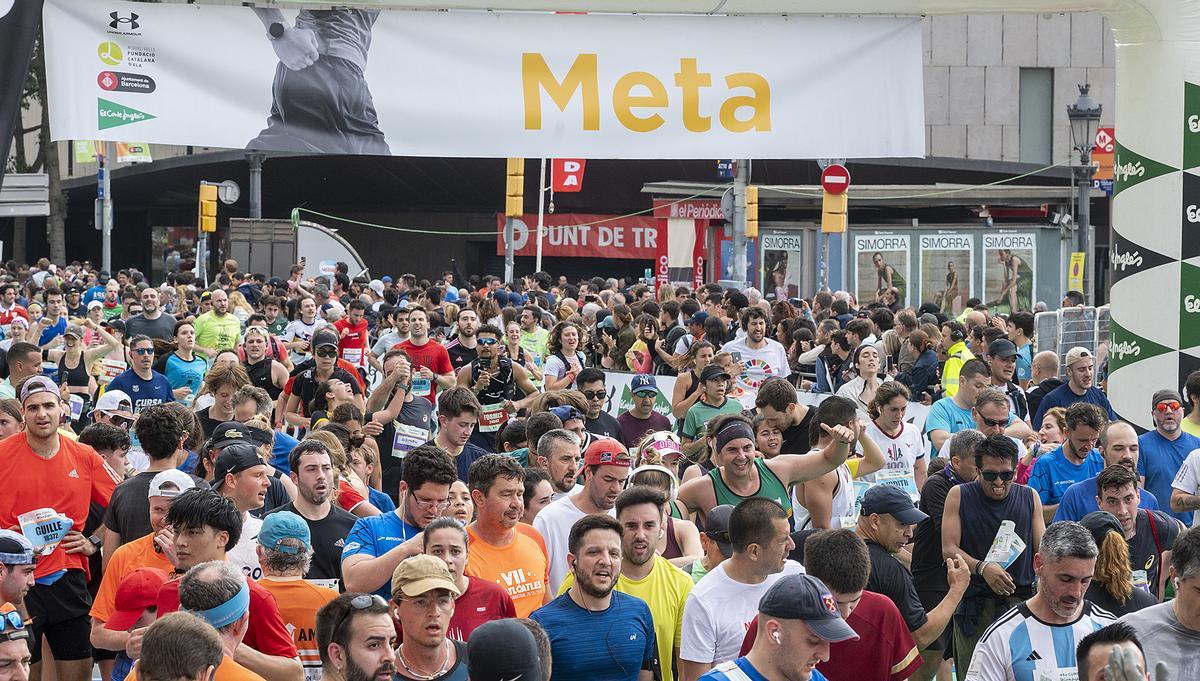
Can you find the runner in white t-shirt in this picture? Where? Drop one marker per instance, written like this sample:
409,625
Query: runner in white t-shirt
298,332
902,443
760,357
721,605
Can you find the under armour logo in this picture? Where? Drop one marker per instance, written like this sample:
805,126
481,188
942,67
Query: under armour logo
118,19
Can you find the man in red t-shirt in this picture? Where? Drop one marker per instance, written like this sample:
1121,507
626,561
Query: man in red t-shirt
9,307
481,600
44,471
884,650
431,362
352,334
205,524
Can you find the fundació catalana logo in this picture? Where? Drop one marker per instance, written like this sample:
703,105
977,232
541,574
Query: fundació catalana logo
110,114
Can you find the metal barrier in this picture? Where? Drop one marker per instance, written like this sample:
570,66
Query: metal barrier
1061,330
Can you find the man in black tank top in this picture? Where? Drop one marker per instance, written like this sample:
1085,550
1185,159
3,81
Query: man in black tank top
975,513
494,380
264,371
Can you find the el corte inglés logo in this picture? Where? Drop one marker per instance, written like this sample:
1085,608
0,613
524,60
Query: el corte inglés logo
111,114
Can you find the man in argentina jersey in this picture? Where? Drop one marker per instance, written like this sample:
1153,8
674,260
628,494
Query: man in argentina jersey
1036,640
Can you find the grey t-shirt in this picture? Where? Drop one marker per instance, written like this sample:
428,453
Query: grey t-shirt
1166,640
163,327
344,33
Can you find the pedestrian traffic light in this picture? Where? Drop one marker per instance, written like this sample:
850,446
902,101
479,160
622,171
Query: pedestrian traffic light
514,194
751,212
833,213
207,218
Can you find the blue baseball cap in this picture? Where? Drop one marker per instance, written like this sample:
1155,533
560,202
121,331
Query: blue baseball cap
643,383
282,525
566,413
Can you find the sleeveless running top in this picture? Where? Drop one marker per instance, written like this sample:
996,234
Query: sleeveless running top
76,377
769,487
672,549
675,512
260,376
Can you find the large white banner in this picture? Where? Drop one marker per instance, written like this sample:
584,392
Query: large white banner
485,84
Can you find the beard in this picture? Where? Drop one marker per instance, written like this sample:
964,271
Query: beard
592,589
357,673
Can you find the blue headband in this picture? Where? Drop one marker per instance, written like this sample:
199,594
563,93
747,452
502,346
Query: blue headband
228,612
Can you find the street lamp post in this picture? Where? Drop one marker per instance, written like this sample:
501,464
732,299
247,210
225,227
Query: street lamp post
1084,115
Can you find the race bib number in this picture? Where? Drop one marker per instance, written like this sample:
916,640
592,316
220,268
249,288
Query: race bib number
44,528
1141,580
327,583
421,387
492,417
353,355
408,438
899,477
313,673
110,369
76,406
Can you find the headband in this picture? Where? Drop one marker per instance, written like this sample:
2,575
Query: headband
661,469
228,612
25,558
732,431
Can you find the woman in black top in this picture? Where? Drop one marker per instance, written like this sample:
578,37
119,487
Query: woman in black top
1112,581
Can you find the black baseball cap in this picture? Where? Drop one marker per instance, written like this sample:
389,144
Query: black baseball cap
712,372
231,433
894,501
235,459
1002,347
806,598
324,338
503,649
716,527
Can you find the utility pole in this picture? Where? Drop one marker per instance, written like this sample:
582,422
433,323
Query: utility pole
541,215
256,164
106,207
739,220
508,249
514,204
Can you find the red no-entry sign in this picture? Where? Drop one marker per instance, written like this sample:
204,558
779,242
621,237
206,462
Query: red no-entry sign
835,179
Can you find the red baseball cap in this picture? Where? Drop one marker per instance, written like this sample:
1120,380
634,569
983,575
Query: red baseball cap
137,591
605,452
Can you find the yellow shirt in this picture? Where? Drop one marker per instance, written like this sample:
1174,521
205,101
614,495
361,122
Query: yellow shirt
665,590
1191,427
956,356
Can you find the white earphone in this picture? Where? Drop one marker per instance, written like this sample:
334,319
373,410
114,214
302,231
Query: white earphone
775,636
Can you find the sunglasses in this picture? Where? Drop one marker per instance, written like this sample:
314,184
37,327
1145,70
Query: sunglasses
593,394
646,393
143,351
994,423
991,476
488,341
121,421
12,627
326,352
360,602
1164,407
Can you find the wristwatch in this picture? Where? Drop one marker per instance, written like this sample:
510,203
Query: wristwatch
275,30
406,387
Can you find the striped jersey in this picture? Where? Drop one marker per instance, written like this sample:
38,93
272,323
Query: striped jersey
1020,647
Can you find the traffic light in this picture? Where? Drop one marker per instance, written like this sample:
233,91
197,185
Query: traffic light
514,194
207,218
751,212
833,213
